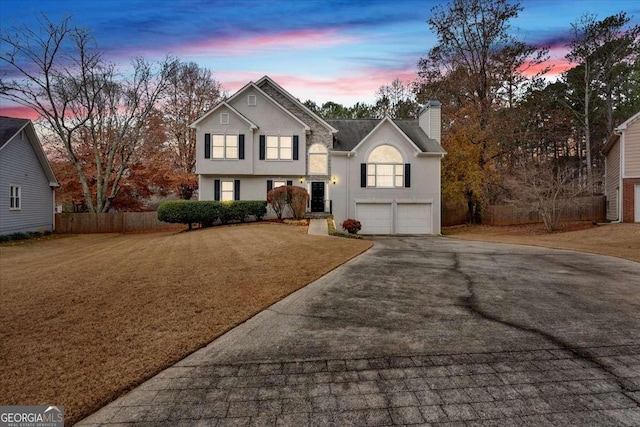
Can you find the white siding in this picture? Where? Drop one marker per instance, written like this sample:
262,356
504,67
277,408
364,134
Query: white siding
632,150
425,179
612,181
19,166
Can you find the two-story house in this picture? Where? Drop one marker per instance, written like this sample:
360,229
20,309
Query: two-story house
384,173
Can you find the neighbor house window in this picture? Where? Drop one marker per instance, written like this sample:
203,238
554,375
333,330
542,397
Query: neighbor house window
251,100
224,118
318,160
226,190
15,201
385,168
279,147
224,146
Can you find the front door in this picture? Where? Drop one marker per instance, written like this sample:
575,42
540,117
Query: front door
317,197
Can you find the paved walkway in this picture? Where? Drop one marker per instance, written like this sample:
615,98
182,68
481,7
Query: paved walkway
318,227
420,331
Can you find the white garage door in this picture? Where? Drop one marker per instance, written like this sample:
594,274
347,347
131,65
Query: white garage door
374,217
414,218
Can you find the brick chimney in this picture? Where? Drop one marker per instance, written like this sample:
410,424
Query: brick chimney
429,119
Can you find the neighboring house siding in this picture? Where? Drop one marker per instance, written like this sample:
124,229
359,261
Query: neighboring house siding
632,150
612,181
19,166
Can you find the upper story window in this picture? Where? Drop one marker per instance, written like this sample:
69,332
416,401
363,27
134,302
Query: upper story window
252,100
385,168
318,160
224,146
15,201
224,118
279,147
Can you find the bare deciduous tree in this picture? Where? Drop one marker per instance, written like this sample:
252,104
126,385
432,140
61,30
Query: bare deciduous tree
96,113
191,92
544,187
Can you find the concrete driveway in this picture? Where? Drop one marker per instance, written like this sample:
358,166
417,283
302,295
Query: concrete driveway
424,331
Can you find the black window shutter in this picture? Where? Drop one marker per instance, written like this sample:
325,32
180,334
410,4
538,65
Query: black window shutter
241,147
216,189
289,182
407,175
269,185
363,175
295,147
262,146
236,189
207,145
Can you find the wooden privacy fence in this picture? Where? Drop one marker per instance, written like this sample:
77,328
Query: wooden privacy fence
584,209
120,222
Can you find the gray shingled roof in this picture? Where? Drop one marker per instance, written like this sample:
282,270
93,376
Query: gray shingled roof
352,131
9,126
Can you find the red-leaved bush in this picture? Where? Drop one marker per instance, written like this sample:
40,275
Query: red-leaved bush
352,226
278,199
296,198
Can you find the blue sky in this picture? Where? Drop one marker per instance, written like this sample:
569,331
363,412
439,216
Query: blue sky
321,50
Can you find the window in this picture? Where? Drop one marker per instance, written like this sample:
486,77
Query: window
226,190
318,160
224,118
385,168
224,146
279,147
15,201
251,100
277,184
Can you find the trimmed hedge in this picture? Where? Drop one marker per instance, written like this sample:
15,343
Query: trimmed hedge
208,212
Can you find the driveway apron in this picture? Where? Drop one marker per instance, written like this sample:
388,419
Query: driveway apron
421,330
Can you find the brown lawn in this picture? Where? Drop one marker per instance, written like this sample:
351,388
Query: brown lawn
619,240
85,318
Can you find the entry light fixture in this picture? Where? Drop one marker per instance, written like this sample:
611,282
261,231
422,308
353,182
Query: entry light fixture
333,180
301,179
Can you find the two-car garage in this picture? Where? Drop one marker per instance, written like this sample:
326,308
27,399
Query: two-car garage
395,217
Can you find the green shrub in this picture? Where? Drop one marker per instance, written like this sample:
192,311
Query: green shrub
208,212
23,236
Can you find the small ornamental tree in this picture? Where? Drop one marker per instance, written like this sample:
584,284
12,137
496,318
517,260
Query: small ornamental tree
298,200
352,226
278,199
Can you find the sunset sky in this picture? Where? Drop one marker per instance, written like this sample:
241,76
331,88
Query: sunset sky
321,50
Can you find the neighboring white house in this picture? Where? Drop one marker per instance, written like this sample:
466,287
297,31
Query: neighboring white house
622,172
384,173
27,182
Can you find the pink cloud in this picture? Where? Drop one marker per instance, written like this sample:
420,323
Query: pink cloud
557,62
18,112
243,45
359,85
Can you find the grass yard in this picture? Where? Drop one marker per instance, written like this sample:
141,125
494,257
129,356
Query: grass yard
85,318
618,240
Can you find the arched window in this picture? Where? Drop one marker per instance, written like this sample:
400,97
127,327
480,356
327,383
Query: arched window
318,160
385,168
